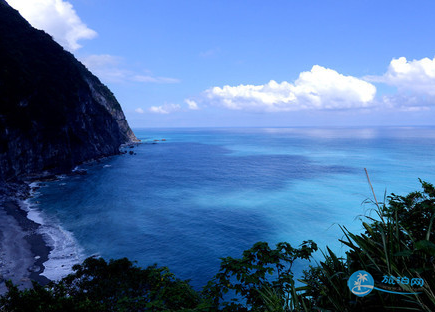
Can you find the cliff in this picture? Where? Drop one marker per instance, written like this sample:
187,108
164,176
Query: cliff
54,113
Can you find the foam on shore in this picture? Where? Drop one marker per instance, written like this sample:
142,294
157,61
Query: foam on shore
65,252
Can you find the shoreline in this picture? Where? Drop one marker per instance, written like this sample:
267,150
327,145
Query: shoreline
23,250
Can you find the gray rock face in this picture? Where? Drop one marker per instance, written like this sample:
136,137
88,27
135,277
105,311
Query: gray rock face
54,114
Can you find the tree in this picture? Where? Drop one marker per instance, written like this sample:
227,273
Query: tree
261,269
96,285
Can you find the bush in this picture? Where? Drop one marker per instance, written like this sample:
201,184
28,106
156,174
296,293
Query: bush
259,272
100,286
399,243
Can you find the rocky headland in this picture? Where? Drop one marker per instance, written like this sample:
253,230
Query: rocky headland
54,115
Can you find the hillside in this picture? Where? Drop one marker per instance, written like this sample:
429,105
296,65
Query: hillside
54,113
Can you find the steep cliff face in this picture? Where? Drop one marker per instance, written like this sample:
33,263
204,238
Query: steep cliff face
54,114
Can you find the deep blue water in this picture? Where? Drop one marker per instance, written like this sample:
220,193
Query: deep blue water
208,193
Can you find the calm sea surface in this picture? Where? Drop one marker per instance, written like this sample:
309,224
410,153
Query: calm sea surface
208,193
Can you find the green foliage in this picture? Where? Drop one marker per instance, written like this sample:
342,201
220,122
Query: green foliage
399,243
261,269
415,213
326,285
123,286
100,286
118,285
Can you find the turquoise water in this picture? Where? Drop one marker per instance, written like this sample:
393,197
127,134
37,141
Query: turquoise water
208,193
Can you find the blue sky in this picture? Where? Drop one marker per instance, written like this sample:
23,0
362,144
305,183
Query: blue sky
253,63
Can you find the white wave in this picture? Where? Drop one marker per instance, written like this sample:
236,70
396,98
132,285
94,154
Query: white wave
65,251
32,213
34,184
64,254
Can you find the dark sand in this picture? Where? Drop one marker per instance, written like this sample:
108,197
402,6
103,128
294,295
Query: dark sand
22,249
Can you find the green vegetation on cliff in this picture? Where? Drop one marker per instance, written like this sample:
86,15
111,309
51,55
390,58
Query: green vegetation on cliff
397,244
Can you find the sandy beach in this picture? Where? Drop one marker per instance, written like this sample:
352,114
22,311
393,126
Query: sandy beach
22,249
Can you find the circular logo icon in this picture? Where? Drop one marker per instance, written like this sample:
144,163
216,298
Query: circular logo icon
361,283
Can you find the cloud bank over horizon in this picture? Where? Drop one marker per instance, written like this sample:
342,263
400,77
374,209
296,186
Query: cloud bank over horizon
318,89
325,89
58,18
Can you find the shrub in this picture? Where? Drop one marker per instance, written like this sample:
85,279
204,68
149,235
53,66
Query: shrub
399,243
96,285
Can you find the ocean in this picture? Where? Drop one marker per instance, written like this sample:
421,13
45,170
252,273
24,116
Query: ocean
197,195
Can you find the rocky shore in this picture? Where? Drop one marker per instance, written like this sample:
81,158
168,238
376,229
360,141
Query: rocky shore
22,249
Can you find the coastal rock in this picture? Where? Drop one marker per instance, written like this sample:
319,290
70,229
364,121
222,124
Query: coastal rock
34,268
54,113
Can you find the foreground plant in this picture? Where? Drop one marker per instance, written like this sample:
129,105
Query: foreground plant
97,285
398,245
262,271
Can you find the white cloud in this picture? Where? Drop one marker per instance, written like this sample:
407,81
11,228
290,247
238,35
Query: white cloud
143,78
318,89
110,69
58,18
416,76
406,102
191,104
139,110
106,67
165,109
415,108
98,61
